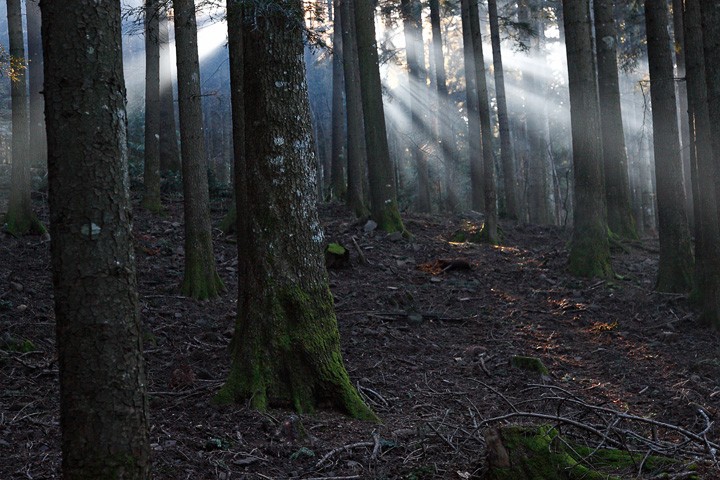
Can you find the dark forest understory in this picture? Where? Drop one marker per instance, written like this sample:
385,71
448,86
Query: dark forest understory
427,342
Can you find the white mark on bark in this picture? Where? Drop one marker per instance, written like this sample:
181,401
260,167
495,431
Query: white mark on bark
91,231
609,41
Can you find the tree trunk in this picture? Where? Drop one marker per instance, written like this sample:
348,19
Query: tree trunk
286,348
682,105
383,192
489,231
444,105
617,189
589,250
169,151
506,152
20,218
675,273
707,233
201,280
538,171
477,194
711,48
103,406
414,49
151,175
38,141
337,162
356,152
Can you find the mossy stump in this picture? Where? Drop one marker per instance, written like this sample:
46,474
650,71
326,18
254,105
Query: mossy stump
523,452
530,364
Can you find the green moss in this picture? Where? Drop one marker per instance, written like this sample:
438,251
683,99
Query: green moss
388,220
459,237
336,249
152,204
539,453
13,344
196,285
484,236
201,280
531,364
288,354
18,225
590,257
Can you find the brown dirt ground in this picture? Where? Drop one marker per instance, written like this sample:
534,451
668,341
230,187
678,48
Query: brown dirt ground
429,349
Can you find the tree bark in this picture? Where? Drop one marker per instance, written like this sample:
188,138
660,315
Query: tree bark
675,272
19,218
38,141
356,152
617,189
682,105
415,53
589,250
200,280
286,348
383,191
444,104
506,151
337,161
707,232
169,151
489,231
103,405
151,175
538,168
477,194
711,48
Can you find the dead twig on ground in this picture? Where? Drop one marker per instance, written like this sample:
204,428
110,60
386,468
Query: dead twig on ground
341,449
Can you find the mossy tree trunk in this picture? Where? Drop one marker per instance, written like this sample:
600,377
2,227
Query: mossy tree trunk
201,280
589,250
356,151
286,348
617,189
151,175
676,266
103,405
20,218
383,187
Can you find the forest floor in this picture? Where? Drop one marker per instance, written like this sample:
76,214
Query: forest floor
428,331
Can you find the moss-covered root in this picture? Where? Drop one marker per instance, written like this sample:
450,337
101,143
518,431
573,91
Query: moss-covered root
152,204
19,225
286,352
201,283
590,257
518,452
389,221
486,235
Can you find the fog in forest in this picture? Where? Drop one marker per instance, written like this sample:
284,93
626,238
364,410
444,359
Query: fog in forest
535,73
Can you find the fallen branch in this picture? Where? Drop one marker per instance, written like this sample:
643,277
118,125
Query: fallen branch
343,448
